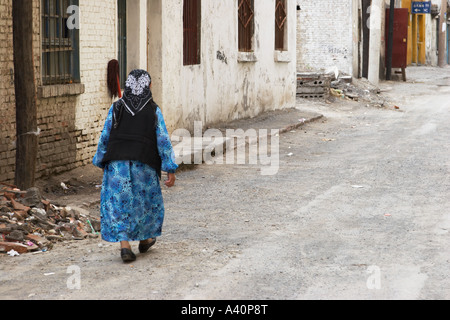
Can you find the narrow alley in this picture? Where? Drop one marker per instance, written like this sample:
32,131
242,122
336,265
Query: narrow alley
356,211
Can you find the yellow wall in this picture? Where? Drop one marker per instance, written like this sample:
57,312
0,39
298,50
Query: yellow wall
416,35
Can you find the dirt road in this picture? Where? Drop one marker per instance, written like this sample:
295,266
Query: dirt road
358,210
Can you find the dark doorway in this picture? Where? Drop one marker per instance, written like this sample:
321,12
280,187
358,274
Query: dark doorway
122,41
365,8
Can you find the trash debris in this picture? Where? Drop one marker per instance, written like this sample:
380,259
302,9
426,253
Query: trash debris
13,253
29,223
337,93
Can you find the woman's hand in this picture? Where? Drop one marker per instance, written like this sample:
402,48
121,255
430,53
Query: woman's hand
170,182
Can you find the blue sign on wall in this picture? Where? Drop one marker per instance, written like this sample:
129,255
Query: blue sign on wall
421,7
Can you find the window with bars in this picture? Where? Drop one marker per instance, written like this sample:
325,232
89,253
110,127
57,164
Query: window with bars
60,45
191,32
280,24
246,15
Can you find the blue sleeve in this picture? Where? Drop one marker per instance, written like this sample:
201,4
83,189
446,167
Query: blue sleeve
165,148
103,142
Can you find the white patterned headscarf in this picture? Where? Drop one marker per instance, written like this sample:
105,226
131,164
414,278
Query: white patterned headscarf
137,91
137,94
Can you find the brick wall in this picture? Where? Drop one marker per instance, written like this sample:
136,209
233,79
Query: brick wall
324,35
98,46
70,124
7,96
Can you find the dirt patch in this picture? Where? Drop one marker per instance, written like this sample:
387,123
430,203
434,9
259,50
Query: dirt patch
80,187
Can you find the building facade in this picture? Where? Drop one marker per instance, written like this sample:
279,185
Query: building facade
210,61
350,35
325,35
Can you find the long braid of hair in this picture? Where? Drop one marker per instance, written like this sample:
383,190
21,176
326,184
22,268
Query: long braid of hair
113,78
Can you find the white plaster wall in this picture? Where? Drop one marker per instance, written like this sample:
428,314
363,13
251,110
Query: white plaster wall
223,89
431,41
432,37
136,35
325,35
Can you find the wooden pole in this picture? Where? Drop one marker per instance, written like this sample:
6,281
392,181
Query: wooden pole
25,92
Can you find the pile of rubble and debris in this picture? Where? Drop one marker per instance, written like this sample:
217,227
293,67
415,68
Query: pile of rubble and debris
358,90
332,85
30,223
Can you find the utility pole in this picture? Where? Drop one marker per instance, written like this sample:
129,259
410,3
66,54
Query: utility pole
375,41
442,34
25,92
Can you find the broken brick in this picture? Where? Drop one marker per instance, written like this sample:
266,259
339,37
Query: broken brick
15,235
20,214
8,246
18,206
40,241
28,222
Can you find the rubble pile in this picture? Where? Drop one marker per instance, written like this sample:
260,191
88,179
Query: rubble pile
311,85
357,90
30,223
333,85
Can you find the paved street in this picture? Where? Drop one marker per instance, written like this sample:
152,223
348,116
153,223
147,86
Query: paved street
358,210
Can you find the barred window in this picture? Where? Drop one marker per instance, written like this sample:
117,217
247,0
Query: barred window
280,24
246,15
191,32
60,44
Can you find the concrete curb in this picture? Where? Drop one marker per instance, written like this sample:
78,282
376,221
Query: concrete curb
298,125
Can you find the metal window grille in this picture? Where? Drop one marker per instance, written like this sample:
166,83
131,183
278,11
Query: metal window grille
191,32
60,63
122,40
246,14
280,24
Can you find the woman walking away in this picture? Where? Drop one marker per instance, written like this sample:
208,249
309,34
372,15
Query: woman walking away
134,148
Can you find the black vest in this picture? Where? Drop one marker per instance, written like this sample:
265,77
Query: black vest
134,138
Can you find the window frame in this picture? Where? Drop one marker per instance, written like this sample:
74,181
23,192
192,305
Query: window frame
192,17
281,21
246,26
60,51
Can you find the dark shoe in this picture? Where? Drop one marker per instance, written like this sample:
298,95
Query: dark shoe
143,248
127,255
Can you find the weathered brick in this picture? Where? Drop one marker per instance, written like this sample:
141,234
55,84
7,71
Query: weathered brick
61,117
8,246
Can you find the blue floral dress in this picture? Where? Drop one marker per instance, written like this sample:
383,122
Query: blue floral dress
132,207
